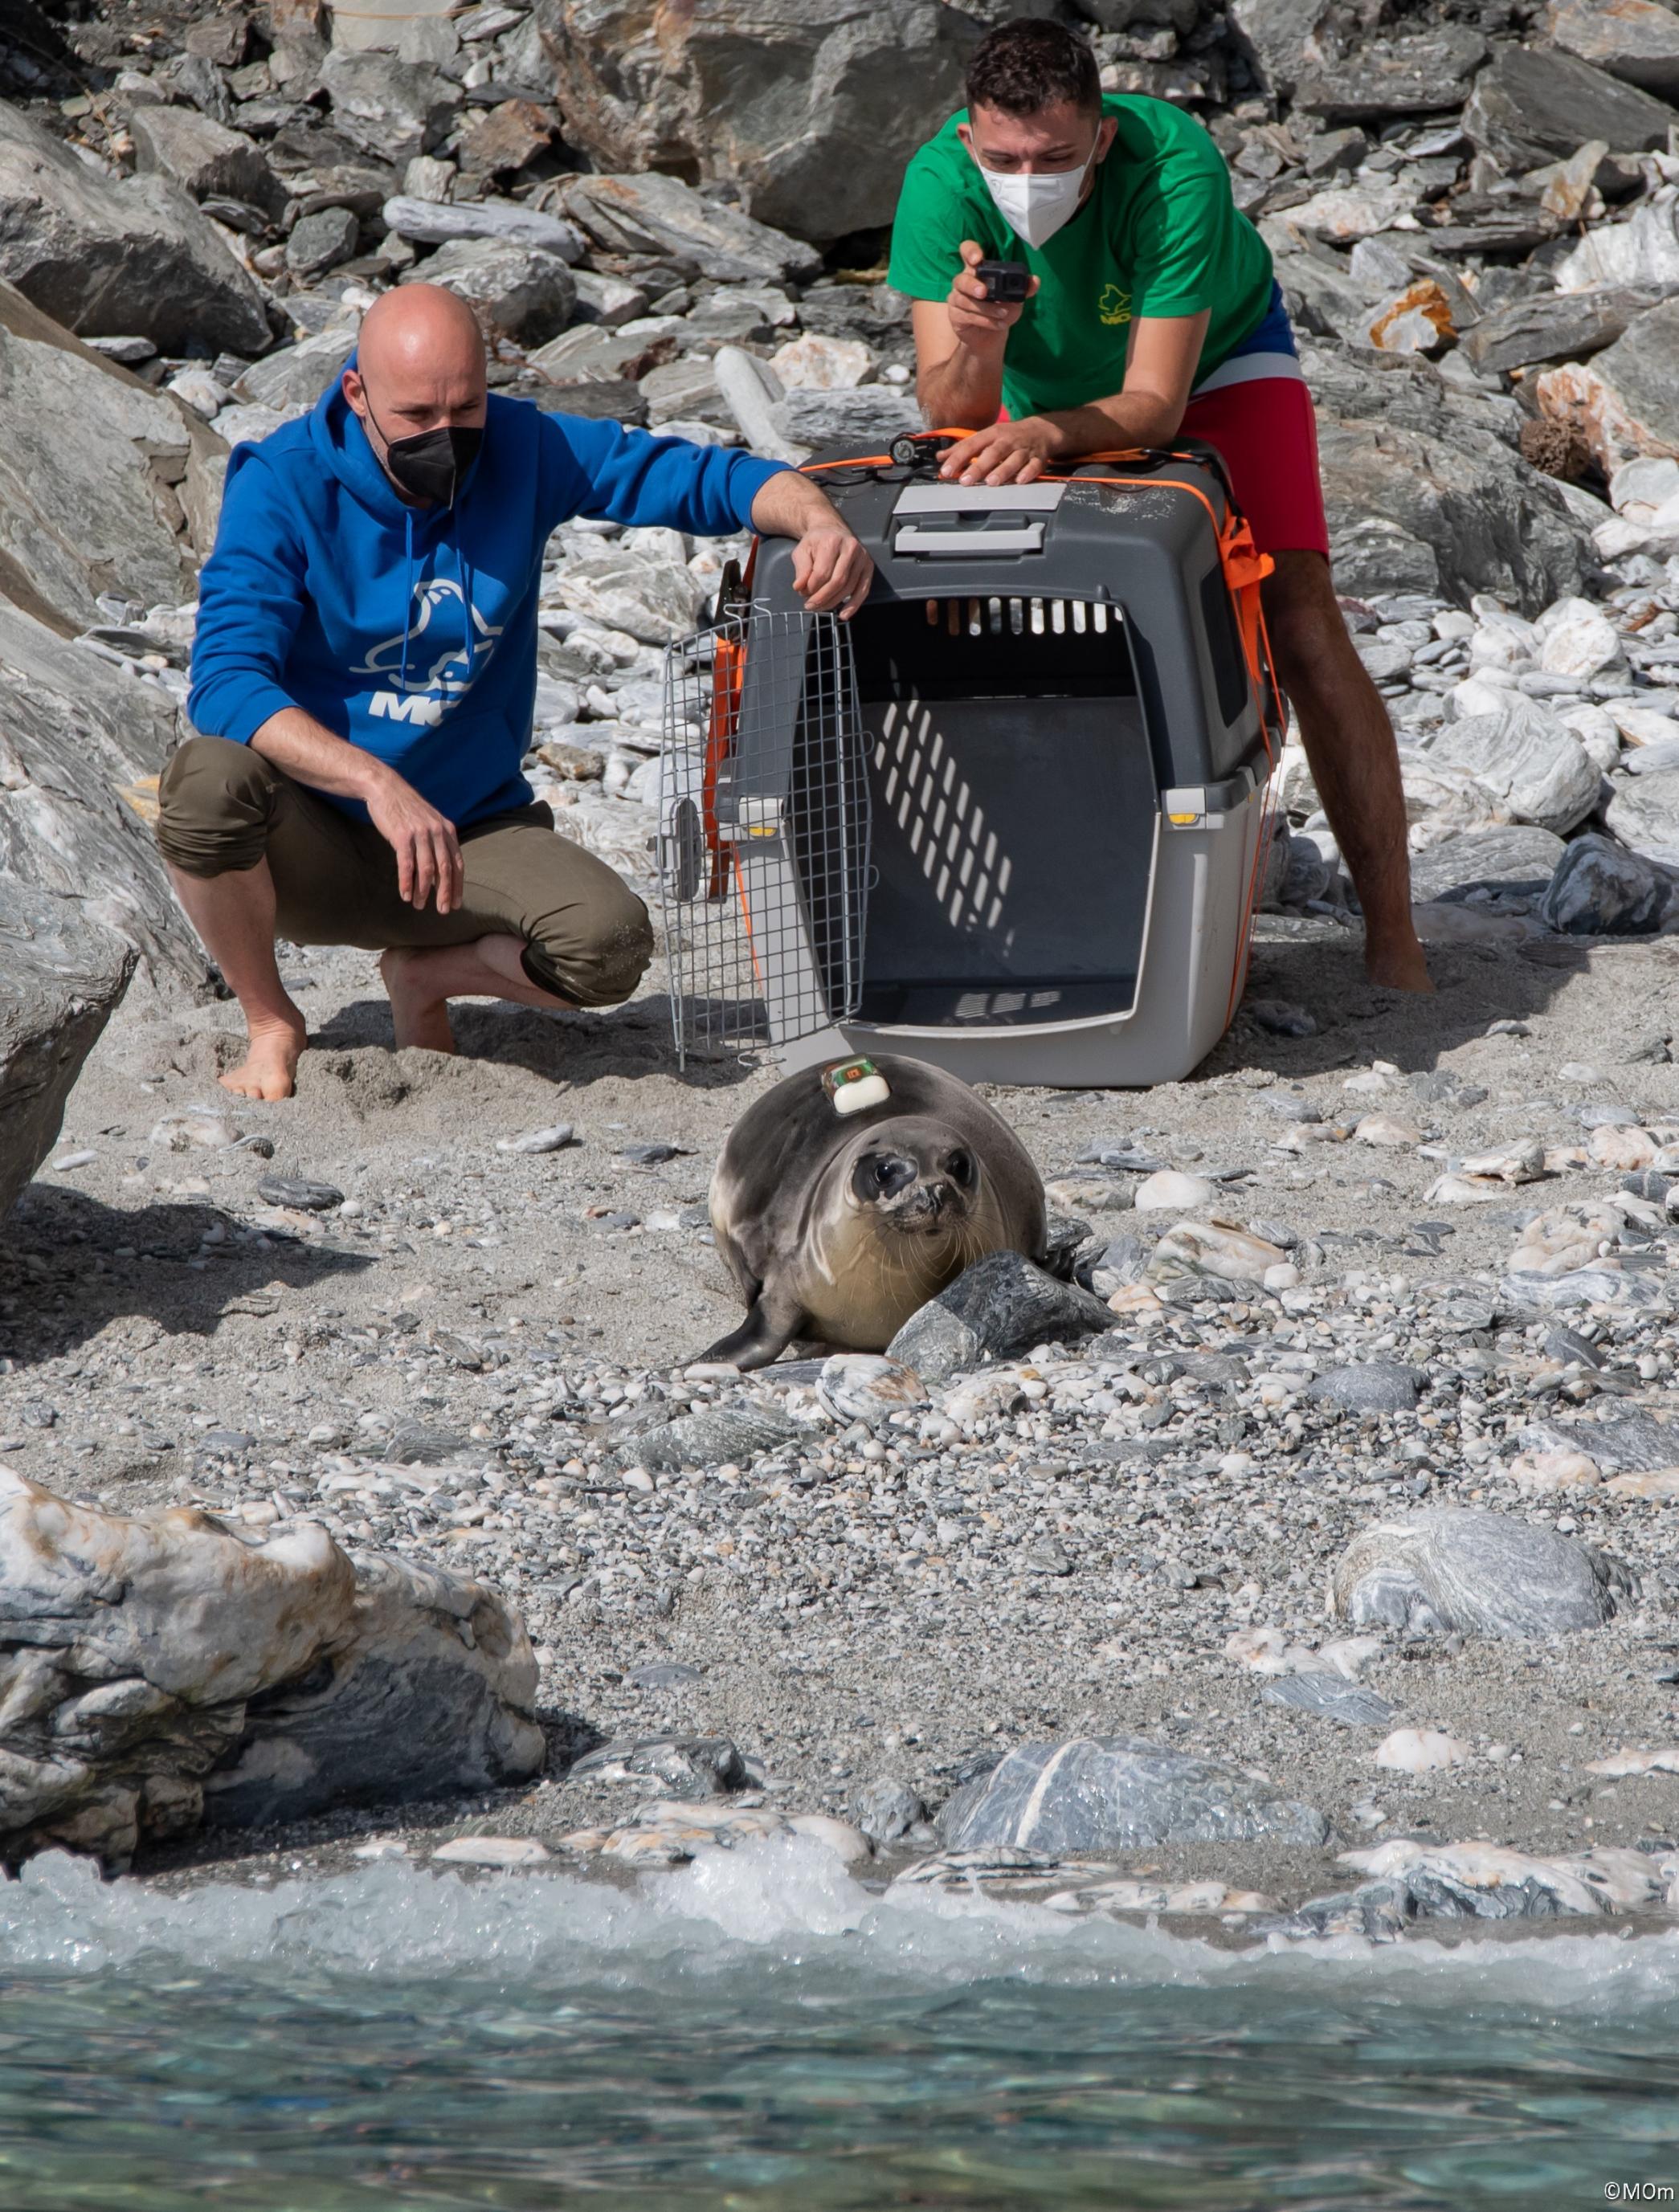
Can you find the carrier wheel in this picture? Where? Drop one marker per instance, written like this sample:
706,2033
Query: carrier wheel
685,856
905,450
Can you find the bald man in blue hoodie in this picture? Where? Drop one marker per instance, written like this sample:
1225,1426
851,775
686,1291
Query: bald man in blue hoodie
364,673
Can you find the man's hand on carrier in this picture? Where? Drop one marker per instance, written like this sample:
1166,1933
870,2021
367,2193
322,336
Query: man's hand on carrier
831,571
1004,452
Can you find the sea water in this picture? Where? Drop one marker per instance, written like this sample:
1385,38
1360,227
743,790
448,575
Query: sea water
760,2030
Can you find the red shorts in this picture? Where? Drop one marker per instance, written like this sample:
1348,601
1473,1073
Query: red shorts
1265,428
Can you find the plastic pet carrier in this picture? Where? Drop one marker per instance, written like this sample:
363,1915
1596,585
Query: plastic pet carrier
1009,818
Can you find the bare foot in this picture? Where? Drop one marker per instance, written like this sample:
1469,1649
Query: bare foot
1397,963
269,1069
419,1016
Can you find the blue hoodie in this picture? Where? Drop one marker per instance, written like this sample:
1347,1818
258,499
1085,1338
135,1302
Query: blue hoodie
325,591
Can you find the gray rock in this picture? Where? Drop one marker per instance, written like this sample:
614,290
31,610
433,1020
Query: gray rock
686,1766
935,1344
685,390
654,600
1120,1793
1282,37
64,977
79,734
1626,400
392,110
1382,78
130,259
435,222
1529,107
523,292
1602,889
296,1191
105,484
655,214
1627,1442
886,1810
1527,760
1377,1386
590,352
1551,327
663,1675
158,1670
719,1435
1424,494
203,157
1351,1704
1632,39
413,1443
1006,1301
1644,814
751,392
1518,863
812,421
321,240
810,110
296,375
1449,1570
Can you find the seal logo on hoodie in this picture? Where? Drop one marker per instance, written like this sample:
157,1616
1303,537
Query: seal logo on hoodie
440,651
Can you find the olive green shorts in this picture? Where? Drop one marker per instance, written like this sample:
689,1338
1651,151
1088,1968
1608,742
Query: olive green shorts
586,936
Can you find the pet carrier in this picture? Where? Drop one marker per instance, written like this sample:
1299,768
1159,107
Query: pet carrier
1009,819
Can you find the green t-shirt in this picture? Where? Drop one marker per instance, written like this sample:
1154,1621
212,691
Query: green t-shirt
1160,234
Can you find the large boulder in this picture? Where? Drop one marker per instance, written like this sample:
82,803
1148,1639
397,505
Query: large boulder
203,157
663,215
157,1668
64,974
110,256
1623,401
106,486
519,292
1448,1570
82,743
1635,39
1537,769
811,107
1531,107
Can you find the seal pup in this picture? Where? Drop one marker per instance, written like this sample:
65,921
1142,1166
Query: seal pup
850,1195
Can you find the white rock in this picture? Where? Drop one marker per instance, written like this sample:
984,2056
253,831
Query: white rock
815,363
1638,488
1217,1249
550,1140
1421,1751
1641,726
1526,759
1595,729
1354,211
1542,1473
847,1843
1577,640
492,1851
1169,1189
1664,1760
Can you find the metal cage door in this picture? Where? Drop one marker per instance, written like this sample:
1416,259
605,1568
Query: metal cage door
764,831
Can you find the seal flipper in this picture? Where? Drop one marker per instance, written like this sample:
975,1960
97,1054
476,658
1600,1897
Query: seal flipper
762,1336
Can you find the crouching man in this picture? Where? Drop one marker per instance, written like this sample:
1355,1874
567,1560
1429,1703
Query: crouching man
364,673
1151,313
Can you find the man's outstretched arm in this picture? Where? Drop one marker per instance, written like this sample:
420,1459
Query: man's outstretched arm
1164,353
831,573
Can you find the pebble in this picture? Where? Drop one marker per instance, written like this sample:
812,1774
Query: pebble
1171,1191
492,1851
296,1191
552,1139
1421,1751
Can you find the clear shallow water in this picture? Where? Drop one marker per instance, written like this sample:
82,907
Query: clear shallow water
760,2032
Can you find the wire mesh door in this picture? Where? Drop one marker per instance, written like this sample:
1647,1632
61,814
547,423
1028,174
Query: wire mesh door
764,831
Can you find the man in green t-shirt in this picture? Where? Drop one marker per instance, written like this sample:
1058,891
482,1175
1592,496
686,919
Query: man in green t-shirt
1152,313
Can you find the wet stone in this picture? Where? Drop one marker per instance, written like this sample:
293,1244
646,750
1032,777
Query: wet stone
1120,1793
935,1344
683,1766
1005,1301
886,1810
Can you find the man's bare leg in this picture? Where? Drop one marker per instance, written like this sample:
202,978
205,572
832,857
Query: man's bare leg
421,983
233,916
1349,743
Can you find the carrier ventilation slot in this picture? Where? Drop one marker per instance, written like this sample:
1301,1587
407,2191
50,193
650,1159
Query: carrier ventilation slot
1035,617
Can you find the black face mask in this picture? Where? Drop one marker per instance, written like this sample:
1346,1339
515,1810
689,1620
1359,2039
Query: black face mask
431,465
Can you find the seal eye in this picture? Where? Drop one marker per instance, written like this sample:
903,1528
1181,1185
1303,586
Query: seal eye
959,1167
883,1175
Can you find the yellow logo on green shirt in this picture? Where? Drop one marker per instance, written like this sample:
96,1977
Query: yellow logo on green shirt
1114,306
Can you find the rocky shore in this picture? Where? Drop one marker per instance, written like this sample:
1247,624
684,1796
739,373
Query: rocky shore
1148,1606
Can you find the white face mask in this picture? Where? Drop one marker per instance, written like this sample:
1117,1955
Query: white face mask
1036,207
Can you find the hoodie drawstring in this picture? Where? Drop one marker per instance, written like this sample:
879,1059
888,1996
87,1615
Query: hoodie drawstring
408,603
